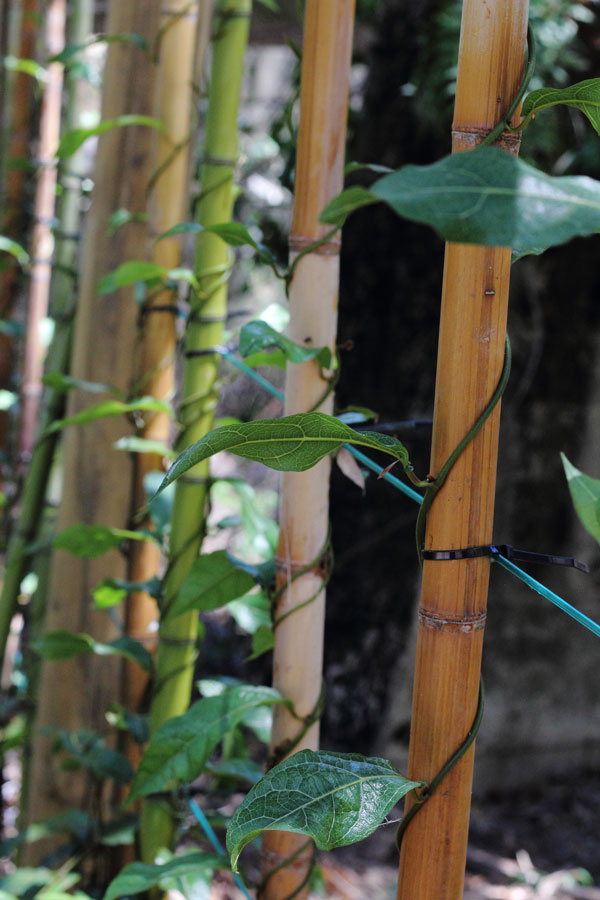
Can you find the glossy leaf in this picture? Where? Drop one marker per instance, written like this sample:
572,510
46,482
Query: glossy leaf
137,876
334,798
292,443
129,273
214,580
240,769
585,494
489,197
233,233
251,611
180,748
14,249
72,140
111,408
258,335
263,640
66,644
485,197
348,201
92,541
585,96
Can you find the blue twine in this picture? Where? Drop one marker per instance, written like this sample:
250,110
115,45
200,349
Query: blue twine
214,840
532,583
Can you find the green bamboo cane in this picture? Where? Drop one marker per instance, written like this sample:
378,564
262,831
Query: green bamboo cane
177,637
63,299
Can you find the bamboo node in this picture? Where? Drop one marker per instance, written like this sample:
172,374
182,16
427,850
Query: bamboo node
469,138
452,624
298,244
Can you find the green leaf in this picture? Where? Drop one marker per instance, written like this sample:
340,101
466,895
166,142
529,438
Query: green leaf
263,640
251,611
121,217
334,798
214,580
180,748
14,249
66,644
27,66
270,4
111,408
137,876
111,591
72,140
257,335
233,233
137,725
134,444
92,541
337,210
129,273
292,443
88,750
371,167
584,96
62,644
585,494
487,196
58,381
274,358
122,38
240,769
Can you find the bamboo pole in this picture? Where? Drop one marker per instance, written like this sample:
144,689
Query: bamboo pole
177,637
454,593
14,206
304,513
97,487
63,298
156,375
42,241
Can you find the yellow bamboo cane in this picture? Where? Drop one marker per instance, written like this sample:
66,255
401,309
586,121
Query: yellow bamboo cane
454,593
304,515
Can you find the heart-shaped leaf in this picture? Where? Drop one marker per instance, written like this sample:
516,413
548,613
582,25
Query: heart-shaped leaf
585,96
487,197
214,580
258,335
585,494
180,748
292,443
137,876
334,798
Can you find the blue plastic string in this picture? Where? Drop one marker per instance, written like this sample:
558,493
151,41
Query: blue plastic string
532,583
214,840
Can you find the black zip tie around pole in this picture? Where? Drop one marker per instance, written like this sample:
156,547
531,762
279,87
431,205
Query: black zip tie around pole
508,551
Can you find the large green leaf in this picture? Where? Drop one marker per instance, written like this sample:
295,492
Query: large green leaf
292,443
488,197
334,798
112,408
137,877
585,96
65,644
585,494
92,541
214,580
72,140
129,273
180,748
258,335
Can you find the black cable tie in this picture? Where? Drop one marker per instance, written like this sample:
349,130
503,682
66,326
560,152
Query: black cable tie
199,319
509,552
208,351
163,307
